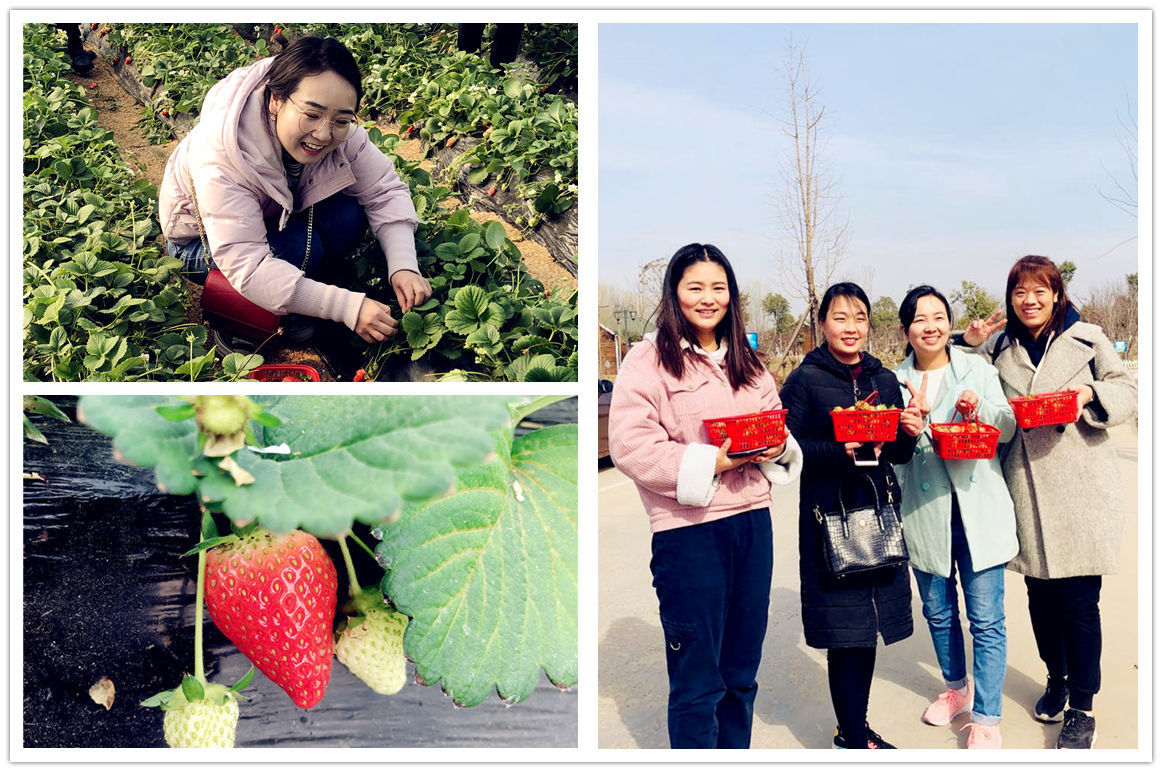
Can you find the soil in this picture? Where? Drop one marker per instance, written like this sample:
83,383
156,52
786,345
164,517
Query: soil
119,112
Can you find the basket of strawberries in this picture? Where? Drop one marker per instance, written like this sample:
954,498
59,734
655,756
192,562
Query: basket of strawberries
866,421
967,439
286,373
748,433
1055,407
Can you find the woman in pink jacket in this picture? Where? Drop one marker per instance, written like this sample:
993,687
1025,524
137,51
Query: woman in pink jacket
709,509
286,182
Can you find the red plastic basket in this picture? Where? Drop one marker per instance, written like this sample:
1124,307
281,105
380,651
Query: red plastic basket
965,439
274,373
1055,407
866,425
748,432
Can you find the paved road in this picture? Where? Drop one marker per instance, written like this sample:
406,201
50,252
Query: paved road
793,709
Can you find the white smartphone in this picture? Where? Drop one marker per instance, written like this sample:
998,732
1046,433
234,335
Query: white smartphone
865,455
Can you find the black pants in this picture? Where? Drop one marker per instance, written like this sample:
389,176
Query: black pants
849,674
1067,627
714,586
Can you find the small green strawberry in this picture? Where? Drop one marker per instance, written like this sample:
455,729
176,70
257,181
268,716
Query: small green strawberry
371,645
373,650
201,724
200,714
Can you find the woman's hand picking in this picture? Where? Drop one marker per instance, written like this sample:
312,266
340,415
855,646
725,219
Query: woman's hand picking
1084,397
979,330
374,323
411,289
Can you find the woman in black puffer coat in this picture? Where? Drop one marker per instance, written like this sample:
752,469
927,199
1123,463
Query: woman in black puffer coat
846,616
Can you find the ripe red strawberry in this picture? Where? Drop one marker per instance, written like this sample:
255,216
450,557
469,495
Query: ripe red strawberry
274,596
93,84
492,191
93,25
164,113
360,376
129,60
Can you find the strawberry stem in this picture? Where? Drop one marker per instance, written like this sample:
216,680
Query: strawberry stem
359,541
352,582
199,665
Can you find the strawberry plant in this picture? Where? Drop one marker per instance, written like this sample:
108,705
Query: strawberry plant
101,301
474,530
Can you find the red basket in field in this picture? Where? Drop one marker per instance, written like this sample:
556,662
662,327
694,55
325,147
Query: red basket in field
965,439
748,432
275,373
1055,407
873,425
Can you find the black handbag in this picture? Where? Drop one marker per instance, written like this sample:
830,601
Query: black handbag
862,539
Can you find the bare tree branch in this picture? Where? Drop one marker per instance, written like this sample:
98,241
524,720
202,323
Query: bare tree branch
807,206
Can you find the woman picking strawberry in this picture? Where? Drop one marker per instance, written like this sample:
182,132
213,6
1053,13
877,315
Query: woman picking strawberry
958,517
847,615
709,510
278,183
1063,479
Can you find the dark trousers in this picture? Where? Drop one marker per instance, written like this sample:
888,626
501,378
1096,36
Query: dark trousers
339,227
714,585
849,676
1067,627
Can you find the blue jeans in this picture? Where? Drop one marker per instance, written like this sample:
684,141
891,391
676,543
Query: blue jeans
984,605
714,586
340,224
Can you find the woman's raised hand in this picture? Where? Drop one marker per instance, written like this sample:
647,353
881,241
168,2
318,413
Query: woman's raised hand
915,415
411,289
374,323
979,330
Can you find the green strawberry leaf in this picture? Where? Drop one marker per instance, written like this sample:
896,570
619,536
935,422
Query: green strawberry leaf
489,573
351,457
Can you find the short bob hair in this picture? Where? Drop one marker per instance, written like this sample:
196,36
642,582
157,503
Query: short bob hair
1044,271
309,56
844,289
908,308
742,363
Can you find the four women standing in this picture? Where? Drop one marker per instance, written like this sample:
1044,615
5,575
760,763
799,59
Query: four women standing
1039,506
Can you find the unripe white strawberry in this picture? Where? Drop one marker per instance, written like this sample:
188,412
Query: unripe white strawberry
373,649
201,724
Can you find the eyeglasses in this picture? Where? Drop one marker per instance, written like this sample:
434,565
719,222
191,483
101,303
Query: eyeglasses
311,119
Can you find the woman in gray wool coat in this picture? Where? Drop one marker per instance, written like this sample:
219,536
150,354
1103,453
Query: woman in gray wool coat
1063,479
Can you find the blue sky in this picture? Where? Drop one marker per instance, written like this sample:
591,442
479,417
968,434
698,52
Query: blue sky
956,148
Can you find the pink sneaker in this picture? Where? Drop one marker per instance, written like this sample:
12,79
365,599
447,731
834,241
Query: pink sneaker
981,736
948,705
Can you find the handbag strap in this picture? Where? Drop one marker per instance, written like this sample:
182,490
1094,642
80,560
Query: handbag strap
202,227
875,492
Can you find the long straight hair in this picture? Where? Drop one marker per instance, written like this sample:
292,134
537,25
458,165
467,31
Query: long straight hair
742,363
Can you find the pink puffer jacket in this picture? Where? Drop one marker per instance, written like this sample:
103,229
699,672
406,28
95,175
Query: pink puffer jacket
235,162
656,437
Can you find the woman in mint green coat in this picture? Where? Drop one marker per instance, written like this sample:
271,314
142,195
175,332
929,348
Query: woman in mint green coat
958,517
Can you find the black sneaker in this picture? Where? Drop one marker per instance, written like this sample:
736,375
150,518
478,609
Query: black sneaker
874,741
1078,731
1052,703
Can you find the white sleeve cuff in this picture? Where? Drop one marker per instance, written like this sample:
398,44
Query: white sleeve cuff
696,479
785,468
